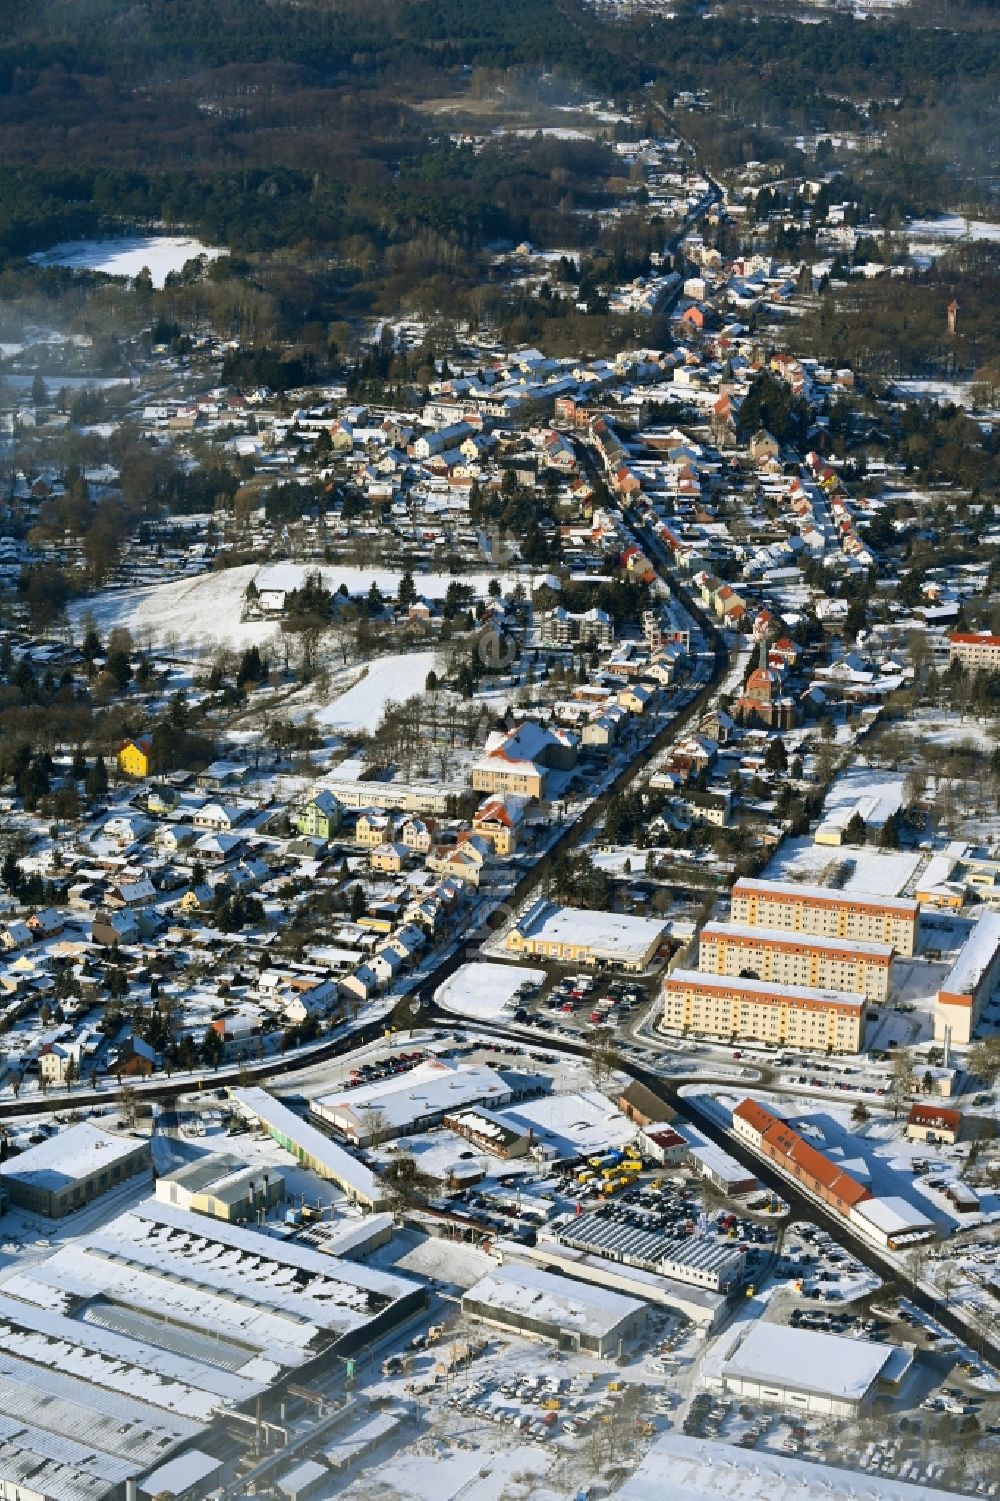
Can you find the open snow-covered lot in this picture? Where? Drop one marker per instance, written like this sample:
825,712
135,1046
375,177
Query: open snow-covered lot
190,612
284,577
447,1474
858,868
207,610
127,255
391,679
485,991
952,227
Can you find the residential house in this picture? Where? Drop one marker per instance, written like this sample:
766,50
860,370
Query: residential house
216,849
373,828
134,757
463,862
173,837
219,817
321,816
417,834
46,923
389,856
519,761
162,800
16,935
636,699
499,820
132,1059
109,929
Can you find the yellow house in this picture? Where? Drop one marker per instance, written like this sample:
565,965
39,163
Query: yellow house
134,757
373,828
388,856
497,820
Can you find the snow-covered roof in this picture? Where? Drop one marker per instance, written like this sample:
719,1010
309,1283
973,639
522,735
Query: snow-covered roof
974,957
57,1467
765,936
893,1216
609,935
337,1163
68,1157
693,1469
766,989
180,1474
905,906
430,1089
547,1298
806,1360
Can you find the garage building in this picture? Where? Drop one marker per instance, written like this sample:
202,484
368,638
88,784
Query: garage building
575,935
70,1169
807,1370
574,1315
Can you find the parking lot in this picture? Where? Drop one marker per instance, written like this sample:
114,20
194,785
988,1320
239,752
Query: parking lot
580,1005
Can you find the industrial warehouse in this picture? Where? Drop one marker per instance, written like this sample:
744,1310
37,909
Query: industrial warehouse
410,1102
810,1371
312,1148
139,1335
542,1305
71,1169
891,1221
700,1260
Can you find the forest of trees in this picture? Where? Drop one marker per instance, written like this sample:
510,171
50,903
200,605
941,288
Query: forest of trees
303,128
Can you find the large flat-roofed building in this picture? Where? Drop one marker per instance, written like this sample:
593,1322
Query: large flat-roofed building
701,1260
128,1344
62,1437
70,1169
35,1466
705,1308
796,1016
825,912
970,982
406,1103
543,1305
194,1314
312,1148
807,1370
892,1222
224,1187
977,651
575,935
784,958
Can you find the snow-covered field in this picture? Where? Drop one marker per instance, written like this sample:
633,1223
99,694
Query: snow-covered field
190,612
161,254
206,610
956,391
484,991
864,869
358,581
952,227
387,679
471,1474
942,728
